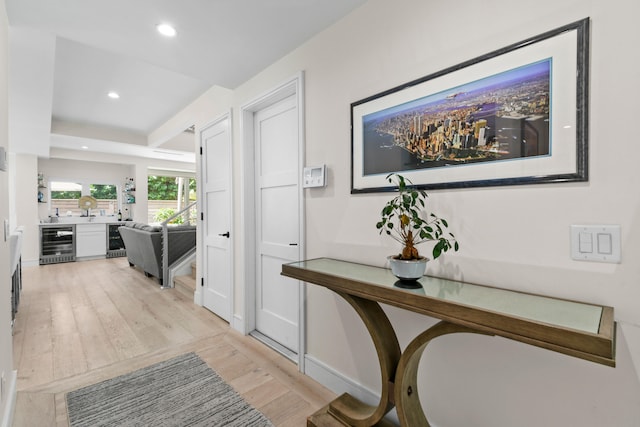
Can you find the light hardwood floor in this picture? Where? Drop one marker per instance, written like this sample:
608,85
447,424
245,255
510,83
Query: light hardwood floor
84,322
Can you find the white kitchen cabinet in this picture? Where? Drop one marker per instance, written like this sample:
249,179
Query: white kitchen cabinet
91,240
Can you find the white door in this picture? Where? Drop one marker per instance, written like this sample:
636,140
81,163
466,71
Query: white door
277,221
216,227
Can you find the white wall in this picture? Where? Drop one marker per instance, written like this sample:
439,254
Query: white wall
23,205
474,380
31,89
7,373
96,172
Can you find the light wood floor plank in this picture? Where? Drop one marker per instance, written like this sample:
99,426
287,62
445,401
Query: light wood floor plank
265,393
62,418
233,366
148,328
18,341
285,407
122,337
35,369
250,380
85,322
96,345
35,409
68,355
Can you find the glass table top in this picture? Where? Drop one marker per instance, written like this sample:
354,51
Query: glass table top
568,314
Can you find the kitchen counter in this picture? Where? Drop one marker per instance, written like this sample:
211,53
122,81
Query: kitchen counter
106,219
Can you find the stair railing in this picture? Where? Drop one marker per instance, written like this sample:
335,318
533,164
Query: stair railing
189,217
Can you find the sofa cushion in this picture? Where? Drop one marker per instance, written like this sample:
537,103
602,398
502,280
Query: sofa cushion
146,227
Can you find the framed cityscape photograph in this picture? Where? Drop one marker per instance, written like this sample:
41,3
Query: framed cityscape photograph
518,115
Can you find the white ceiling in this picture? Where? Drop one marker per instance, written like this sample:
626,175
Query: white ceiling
66,55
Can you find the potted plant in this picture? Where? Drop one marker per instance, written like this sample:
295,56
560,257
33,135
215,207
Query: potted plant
401,218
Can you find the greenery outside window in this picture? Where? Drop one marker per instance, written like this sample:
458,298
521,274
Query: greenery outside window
64,197
168,195
107,196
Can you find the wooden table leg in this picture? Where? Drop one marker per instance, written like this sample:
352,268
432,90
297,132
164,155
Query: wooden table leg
398,369
407,401
346,409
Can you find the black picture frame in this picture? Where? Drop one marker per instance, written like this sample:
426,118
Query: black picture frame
514,116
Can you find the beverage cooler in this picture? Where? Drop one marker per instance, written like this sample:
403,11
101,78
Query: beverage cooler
57,243
115,246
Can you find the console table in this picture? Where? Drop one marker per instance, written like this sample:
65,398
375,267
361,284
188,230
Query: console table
586,331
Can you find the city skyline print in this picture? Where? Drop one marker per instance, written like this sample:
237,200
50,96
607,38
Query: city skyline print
500,117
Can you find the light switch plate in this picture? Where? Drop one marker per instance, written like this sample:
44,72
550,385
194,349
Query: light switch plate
600,243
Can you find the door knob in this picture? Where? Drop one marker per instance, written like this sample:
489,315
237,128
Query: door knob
227,235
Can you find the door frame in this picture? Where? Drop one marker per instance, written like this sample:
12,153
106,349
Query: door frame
200,248
292,86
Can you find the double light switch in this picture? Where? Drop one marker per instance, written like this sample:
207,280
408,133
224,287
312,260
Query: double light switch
595,243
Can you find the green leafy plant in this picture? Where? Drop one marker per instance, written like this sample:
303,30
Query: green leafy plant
166,213
401,219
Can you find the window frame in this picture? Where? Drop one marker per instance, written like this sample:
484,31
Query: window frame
86,190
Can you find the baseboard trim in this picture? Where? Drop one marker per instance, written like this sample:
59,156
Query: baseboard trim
197,296
10,403
238,324
338,383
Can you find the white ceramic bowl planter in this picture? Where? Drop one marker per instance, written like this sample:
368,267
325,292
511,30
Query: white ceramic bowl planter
408,269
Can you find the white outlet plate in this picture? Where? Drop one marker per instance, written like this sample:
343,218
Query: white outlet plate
600,243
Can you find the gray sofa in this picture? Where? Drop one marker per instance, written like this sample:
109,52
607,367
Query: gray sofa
144,245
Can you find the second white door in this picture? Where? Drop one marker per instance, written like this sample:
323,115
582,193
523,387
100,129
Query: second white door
278,222
216,229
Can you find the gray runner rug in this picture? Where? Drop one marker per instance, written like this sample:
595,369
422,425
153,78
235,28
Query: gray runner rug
182,391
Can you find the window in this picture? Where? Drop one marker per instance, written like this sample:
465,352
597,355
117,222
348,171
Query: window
64,197
168,195
107,196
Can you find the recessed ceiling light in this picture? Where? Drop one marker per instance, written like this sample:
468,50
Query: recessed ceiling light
113,95
166,30
84,147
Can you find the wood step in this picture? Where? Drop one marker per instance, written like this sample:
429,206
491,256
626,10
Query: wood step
185,285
